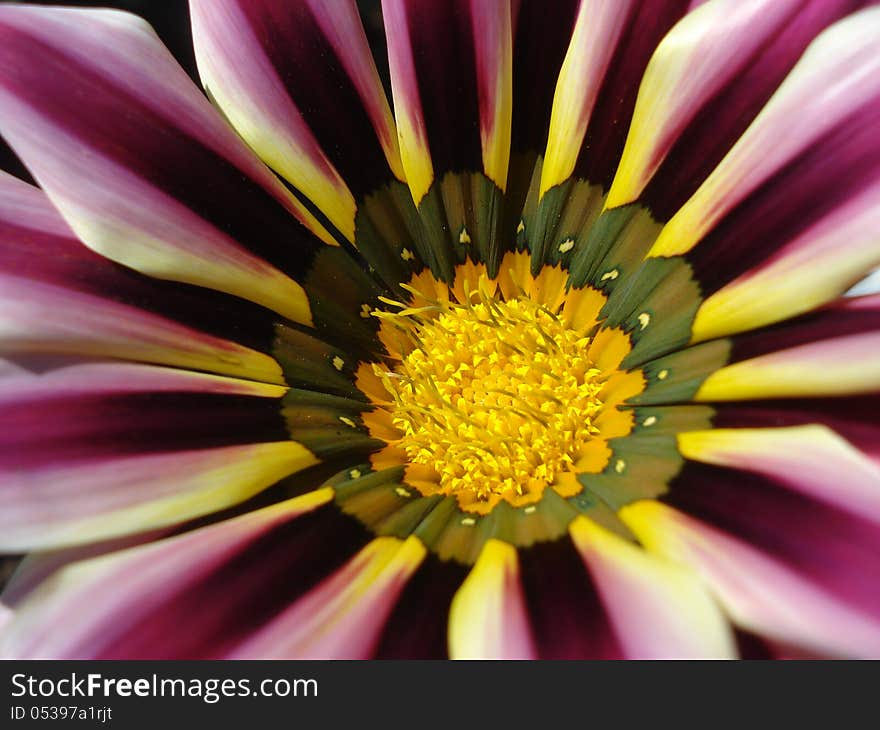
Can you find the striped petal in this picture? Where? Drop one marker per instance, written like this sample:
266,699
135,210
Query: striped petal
439,101
843,64
832,352
592,105
854,418
539,49
57,296
342,618
488,618
597,32
811,459
598,83
541,34
329,132
758,592
140,165
95,451
835,549
566,612
454,120
235,576
819,265
707,80
659,611
35,567
418,625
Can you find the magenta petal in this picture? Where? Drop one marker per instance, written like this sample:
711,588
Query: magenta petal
566,611
775,37
283,73
833,170
538,50
416,628
57,296
798,150
442,95
837,550
90,411
235,576
94,451
141,166
343,616
647,23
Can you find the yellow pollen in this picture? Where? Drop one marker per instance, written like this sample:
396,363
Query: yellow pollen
496,397
407,255
338,362
644,320
566,245
662,375
463,237
355,473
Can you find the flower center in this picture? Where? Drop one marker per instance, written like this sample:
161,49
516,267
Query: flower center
497,398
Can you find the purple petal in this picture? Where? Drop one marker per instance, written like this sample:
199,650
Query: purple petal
282,73
837,550
566,611
235,576
139,164
94,451
814,129
57,296
763,589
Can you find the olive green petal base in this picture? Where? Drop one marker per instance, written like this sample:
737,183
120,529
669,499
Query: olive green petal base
645,461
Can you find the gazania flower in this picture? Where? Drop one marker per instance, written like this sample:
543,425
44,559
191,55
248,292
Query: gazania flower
552,360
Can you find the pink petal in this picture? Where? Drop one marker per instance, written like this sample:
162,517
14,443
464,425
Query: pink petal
144,170
843,65
658,610
707,80
819,264
195,595
342,617
57,296
758,591
94,451
451,75
256,60
832,352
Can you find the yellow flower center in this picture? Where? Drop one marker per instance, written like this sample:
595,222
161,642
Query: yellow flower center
496,397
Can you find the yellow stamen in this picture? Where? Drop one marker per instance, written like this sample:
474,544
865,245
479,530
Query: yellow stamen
497,397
